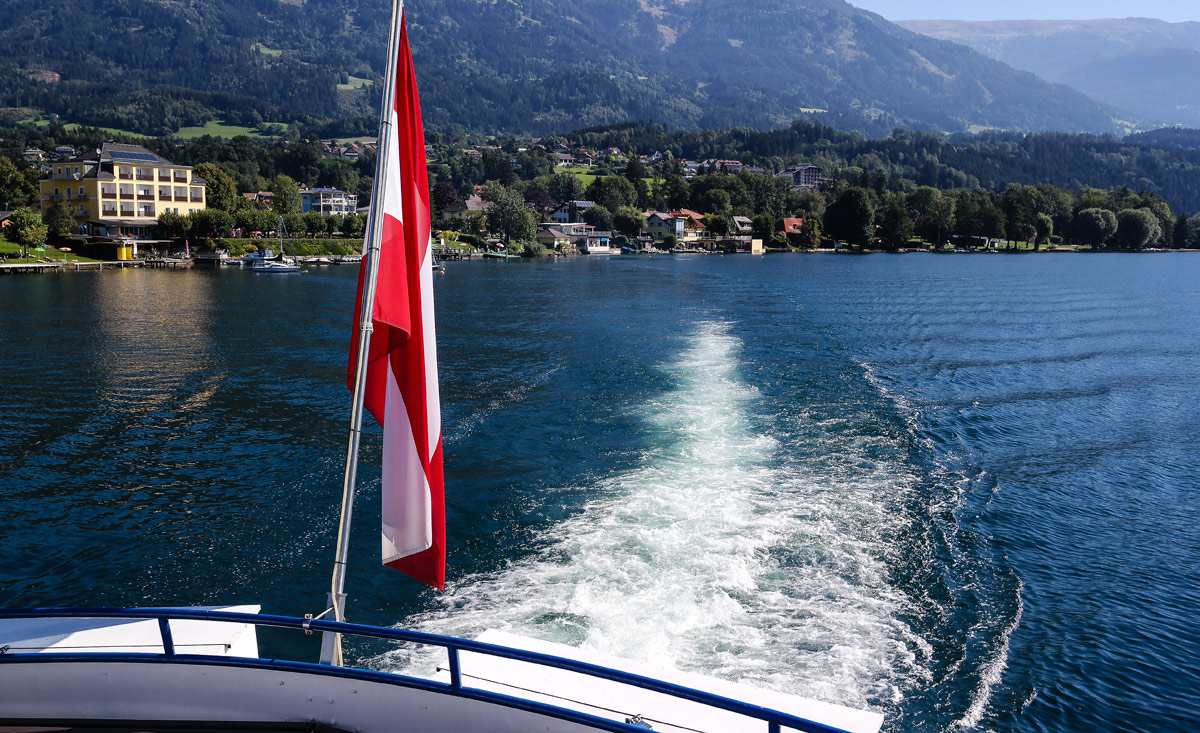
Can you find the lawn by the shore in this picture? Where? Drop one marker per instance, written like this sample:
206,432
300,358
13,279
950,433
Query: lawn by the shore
10,254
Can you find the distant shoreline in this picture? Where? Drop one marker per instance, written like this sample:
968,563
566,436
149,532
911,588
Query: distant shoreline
43,267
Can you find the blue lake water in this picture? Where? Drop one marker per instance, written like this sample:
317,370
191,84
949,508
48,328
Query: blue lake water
961,490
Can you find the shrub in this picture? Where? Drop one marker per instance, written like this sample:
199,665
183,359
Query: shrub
533,249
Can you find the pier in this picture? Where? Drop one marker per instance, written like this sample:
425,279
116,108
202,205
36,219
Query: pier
167,262
26,268
451,253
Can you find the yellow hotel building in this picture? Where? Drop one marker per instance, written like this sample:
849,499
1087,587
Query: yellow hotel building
119,190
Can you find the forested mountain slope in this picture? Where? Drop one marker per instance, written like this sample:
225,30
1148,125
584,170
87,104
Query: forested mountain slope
521,65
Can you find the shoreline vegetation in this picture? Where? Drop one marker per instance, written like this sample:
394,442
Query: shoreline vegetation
806,187
65,258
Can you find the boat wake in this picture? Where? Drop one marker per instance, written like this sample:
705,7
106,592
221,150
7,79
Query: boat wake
720,553
966,602
467,425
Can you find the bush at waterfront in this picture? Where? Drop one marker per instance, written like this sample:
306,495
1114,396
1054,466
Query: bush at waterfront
302,247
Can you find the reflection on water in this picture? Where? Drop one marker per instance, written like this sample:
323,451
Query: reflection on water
960,490
160,409
155,337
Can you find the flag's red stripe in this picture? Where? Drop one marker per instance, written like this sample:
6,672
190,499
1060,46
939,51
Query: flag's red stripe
398,325
414,200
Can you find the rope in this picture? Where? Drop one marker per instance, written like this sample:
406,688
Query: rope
110,646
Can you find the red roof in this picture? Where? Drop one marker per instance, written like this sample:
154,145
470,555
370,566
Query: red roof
792,225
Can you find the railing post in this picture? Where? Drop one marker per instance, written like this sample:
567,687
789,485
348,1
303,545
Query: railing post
455,674
772,726
164,628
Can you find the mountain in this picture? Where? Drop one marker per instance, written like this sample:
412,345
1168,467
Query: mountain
1146,67
533,66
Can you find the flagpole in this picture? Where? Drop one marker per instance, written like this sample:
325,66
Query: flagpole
331,644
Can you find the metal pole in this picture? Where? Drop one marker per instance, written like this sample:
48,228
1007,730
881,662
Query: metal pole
331,644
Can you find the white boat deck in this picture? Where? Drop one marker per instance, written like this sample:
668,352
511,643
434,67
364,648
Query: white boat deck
620,702
130,636
149,690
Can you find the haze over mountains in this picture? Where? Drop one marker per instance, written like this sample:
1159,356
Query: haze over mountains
533,66
1148,68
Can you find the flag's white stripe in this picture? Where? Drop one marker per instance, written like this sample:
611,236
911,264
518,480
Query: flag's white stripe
394,196
433,405
407,502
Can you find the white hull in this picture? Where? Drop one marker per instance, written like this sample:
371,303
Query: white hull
182,692
117,670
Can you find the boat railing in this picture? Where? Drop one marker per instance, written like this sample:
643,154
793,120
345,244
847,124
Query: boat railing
775,720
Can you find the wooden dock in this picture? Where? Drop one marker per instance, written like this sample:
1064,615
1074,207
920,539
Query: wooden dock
23,268
451,253
26,268
167,262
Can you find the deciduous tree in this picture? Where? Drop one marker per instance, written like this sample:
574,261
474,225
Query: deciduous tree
613,192
286,195
852,217
220,188
314,223
1136,229
599,217
173,224
17,188
1045,229
509,216
27,229
628,221
353,225
294,223
1095,226
60,222
932,214
895,226
212,222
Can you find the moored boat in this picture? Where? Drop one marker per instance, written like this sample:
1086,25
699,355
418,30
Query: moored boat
275,266
277,263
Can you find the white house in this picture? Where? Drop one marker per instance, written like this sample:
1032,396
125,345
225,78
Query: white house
562,214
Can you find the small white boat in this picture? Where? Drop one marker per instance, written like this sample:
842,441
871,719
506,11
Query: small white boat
275,266
267,261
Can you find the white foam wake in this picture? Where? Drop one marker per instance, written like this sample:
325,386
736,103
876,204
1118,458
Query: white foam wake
720,554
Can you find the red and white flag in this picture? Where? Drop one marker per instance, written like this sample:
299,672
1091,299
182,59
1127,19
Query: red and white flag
402,379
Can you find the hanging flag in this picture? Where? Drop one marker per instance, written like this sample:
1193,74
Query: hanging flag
402,380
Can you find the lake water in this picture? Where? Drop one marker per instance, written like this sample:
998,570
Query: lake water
961,490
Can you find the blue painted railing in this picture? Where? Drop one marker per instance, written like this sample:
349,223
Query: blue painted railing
774,719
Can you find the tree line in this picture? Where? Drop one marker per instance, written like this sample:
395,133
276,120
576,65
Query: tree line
856,205
865,200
